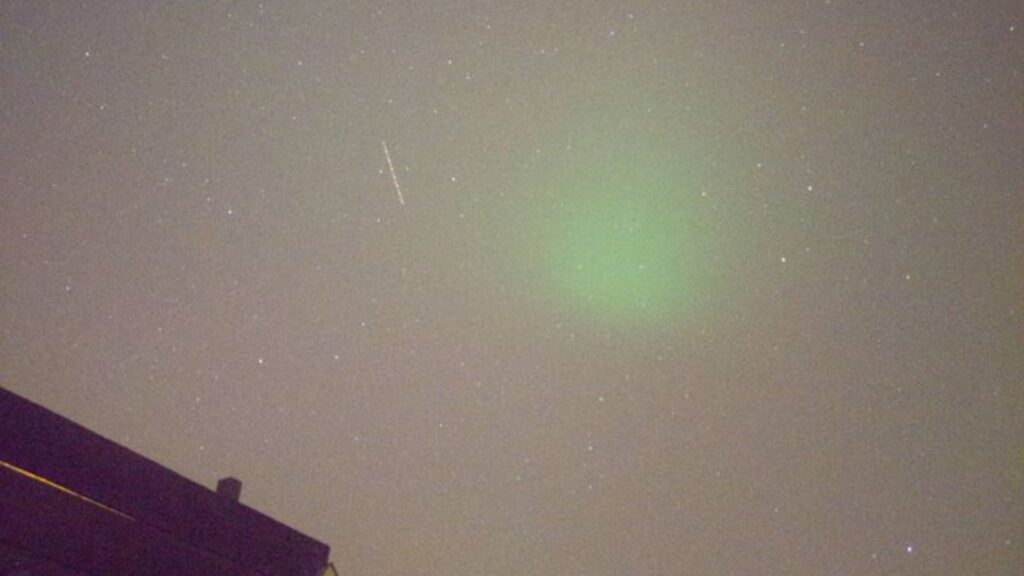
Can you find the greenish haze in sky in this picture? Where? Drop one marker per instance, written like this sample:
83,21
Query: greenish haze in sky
622,233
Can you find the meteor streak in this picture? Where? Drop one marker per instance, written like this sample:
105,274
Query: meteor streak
394,177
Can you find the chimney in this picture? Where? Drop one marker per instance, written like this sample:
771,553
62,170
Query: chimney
229,488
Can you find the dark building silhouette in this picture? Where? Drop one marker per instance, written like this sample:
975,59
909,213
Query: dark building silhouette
75,503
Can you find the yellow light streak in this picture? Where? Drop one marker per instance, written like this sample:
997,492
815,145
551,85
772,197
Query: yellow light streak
58,487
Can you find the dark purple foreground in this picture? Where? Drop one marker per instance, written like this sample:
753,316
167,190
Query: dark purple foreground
72,502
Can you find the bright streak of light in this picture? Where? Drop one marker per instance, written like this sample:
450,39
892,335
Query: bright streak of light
58,487
394,177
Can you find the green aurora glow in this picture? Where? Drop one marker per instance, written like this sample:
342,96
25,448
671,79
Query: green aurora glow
622,235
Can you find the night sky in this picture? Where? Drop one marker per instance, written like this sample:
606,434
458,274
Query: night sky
655,288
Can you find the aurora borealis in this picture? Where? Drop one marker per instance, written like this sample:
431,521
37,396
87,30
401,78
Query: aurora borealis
678,288
621,232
